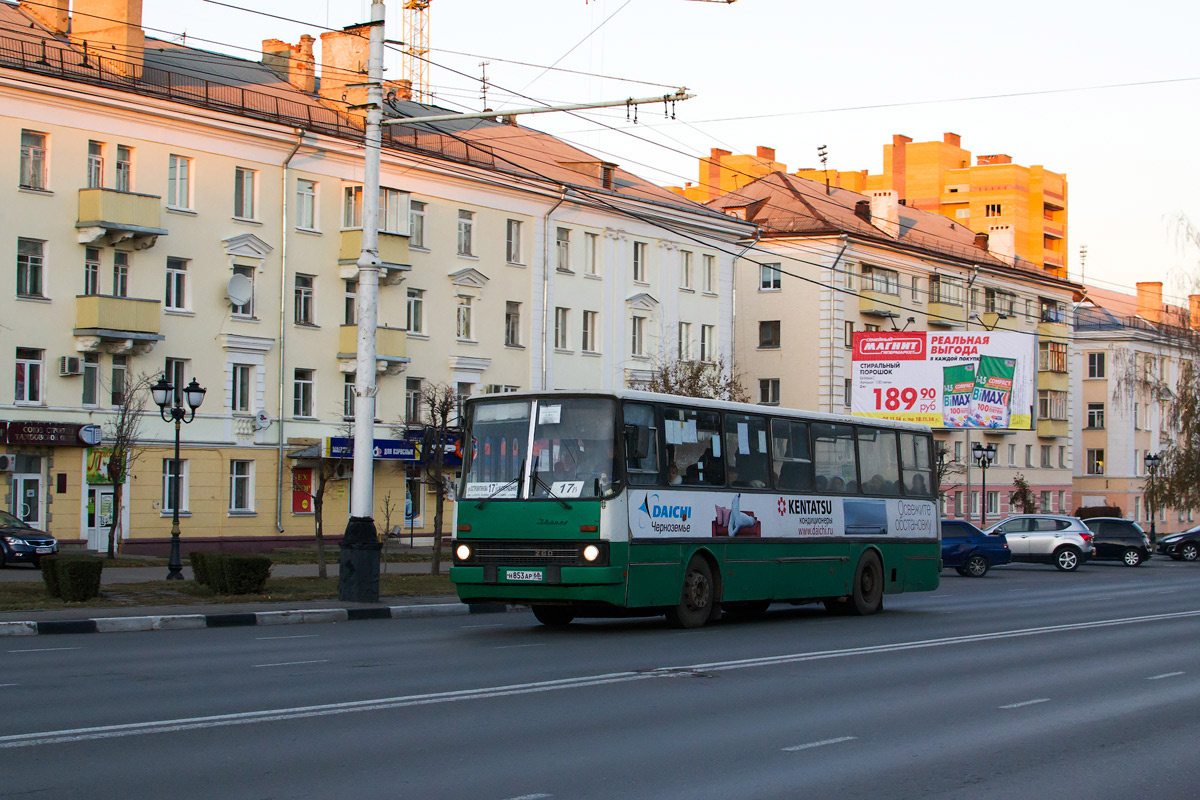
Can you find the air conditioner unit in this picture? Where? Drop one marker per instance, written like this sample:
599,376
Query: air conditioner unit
8,463
343,471
70,365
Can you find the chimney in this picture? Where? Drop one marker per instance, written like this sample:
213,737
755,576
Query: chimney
1149,301
895,161
54,14
111,29
293,62
766,153
999,158
981,241
862,210
952,139
1003,240
1194,311
885,212
344,56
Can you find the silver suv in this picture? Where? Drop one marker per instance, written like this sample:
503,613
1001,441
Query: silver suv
1064,542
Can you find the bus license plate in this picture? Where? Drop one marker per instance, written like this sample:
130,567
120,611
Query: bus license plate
522,575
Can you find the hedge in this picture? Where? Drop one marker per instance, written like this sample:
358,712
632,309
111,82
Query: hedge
50,574
231,573
199,562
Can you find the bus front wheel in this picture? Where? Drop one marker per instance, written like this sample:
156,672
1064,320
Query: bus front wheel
696,601
868,585
554,616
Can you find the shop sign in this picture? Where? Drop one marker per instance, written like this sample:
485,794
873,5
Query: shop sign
384,449
97,465
49,433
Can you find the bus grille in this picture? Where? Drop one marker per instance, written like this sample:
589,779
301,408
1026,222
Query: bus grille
525,554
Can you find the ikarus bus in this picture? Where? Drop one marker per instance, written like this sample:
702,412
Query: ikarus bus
589,504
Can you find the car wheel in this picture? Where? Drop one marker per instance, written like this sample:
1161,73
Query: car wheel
962,571
697,597
746,609
1066,559
868,586
554,616
1189,551
976,566
1131,557
1176,558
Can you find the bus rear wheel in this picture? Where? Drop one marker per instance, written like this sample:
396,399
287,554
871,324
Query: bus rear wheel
868,586
554,616
696,601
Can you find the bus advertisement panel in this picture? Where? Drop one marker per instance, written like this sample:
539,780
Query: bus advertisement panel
971,379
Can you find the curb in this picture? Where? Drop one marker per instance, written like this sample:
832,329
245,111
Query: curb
176,622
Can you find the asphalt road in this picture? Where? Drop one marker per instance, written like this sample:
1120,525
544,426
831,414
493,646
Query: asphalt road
1027,683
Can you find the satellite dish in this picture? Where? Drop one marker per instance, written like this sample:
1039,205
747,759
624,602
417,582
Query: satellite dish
239,290
262,420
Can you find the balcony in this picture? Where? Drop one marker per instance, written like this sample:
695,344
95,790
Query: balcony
393,255
947,315
999,322
1052,331
391,349
109,217
1053,381
1053,428
879,304
116,324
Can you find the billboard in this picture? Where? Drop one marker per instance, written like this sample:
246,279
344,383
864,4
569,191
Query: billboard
973,379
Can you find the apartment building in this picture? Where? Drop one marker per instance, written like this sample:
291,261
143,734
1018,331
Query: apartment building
832,263
1127,354
182,212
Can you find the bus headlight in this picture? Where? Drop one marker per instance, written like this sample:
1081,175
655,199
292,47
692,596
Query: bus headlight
591,553
463,552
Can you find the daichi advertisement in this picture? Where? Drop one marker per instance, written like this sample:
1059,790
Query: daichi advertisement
972,379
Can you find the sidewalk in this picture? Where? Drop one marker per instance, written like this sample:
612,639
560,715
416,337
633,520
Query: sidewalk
111,575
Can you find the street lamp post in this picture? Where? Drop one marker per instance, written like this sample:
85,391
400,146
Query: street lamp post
984,456
170,408
1152,461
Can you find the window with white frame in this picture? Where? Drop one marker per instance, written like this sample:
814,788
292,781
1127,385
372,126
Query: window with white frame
124,168
306,204
685,269
1046,450
176,295
416,224
512,324
708,343
241,401
466,232
512,246
91,379
179,182
637,344
244,190
1029,455
31,256
412,401
1052,404
588,335
768,391
847,390
120,286
591,253
463,318
416,311
945,289
917,294
245,309
350,303
175,371
561,316
993,502
685,341
171,468
848,335
770,279
883,281
1052,356
91,271
562,249
118,382
303,300
95,165
392,210
999,301
303,381
1095,462
639,262
1095,368
349,393
1095,415
34,161
29,371
710,274
241,486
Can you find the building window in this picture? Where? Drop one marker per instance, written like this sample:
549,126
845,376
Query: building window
240,399
391,210
1029,455
30,267
958,504
685,341
591,247
303,300
685,269
512,324
708,343
1049,310
916,290
1046,456
710,269
463,318
241,486
1012,455
91,379
117,386
884,281
562,249
29,375
302,393
175,371
768,334
848,334
176,295
637,344
306,204
991,210
944,289
245,309
768,391
171,467
1095,462
91,271
416,224
588,337
124,168
639,262
560,328
33,160
869,328
120,273
416,311
1095,415
769,277
412,401
95,165
350,304
179,182
1052,356
349,392
512,248
1062,457
998,301
244,181
847,392
1095,365
466,229
1052,404
993,502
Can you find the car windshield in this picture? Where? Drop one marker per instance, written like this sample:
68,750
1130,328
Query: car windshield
7,520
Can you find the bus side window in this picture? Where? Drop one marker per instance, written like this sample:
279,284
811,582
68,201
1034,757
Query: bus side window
746,451
915,463
792,462
642,471
693,441
834,458
879,456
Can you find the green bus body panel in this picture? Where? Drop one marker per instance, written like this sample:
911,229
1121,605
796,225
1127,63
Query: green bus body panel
539,519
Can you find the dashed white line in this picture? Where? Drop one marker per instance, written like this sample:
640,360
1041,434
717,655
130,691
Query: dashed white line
44,649
495,625
822,743
1164,675
530,797
4,685
1024,703
291,663
514,646
296,636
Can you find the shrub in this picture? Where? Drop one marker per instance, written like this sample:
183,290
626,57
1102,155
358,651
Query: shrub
245,574
50,574
214,566
79,578
199,567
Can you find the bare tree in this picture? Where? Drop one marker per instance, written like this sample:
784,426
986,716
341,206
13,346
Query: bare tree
327,470
947,468
439,412
714,380
1176,483
388,507
124,434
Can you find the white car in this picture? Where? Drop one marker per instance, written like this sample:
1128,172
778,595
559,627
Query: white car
1062,541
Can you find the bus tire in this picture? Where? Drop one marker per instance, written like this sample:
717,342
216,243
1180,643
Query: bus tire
697,598
867,597
554,616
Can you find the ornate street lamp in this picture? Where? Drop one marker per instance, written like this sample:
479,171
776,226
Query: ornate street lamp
1152,461
984,456
170,408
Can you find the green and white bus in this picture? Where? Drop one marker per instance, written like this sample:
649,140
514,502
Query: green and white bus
605,504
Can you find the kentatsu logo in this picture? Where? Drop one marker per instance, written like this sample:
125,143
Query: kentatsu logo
889,346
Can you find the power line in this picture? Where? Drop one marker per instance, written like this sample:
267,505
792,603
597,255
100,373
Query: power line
575,46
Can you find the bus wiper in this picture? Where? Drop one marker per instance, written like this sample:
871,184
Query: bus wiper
549,492
519,481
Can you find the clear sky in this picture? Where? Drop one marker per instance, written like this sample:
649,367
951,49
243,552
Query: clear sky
783,73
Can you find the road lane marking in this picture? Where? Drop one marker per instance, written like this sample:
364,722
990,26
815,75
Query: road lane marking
530,797
821,743
5,685
1164,675
296,636
559,684
44,649
292,663
1024,703
493,625
514,646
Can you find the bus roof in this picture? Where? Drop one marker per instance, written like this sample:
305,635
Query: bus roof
700,402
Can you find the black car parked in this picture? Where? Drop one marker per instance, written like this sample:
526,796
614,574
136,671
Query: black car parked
1116,539
21,544
1181,546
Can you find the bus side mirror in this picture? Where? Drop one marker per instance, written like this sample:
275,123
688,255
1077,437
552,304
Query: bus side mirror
637,442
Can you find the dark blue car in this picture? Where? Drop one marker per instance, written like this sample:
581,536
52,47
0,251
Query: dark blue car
21,544
969,550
